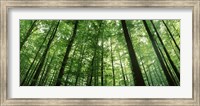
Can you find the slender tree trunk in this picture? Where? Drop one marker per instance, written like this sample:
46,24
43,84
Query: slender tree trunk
166,52
68,49
70,67
174,49
150,75
32,73
113,70
145,73
105,79
122,68
102,64
80,64
168,68
53,77
178,33
163,78
90,74
35,78
156,73
155,76
170,81
96,71
43,72
127,79
48,70
136,71
28,34
171,36
27,73
92,68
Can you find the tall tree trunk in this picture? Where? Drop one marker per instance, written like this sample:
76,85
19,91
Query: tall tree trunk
92,68
80,64
171,36
127,79
166,52
150,75
167,66
113,70
30,77
102,63
53,78
178,33
97,71
174,49
170,81
90,73
28,34
156,73
155,76
43,71
70,67
28,71
105,79
47,72
145,73
35,78
64,62
122,68
136,71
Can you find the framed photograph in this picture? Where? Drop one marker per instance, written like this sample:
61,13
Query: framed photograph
99,52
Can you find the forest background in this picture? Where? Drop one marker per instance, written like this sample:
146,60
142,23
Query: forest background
99,52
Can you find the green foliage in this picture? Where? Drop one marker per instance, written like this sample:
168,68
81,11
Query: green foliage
98,44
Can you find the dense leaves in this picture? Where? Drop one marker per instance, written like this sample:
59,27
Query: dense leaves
99,52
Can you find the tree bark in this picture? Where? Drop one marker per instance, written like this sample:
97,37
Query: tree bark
166,52
102,63
167,66
145,73
35,78
68,49
30,77
136,71
170,81
27,73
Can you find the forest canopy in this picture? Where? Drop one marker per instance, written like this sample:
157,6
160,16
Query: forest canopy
100,52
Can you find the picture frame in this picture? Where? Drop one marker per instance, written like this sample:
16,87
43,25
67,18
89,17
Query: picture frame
7,4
